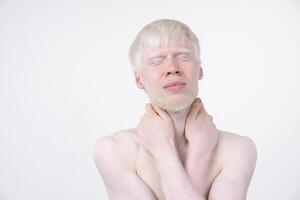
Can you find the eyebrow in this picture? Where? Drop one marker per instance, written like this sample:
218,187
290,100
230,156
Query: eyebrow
176,52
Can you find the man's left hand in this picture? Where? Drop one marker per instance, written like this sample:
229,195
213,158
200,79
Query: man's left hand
200,131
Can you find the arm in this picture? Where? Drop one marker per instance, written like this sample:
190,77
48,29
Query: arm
239,156
202,137
119,178
233,181
197,167
156,135
174,180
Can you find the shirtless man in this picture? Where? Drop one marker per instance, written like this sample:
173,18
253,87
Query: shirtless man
175,152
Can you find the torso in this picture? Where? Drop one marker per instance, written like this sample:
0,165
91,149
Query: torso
144,166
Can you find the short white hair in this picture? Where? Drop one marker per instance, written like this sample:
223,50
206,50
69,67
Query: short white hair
161,31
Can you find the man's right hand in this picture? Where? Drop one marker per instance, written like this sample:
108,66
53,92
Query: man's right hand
156,130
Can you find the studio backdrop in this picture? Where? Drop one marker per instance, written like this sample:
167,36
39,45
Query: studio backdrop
66,80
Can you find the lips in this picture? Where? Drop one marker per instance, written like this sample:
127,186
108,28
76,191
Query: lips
173,84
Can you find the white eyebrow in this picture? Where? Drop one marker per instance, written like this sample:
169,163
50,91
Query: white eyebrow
183,50
176,51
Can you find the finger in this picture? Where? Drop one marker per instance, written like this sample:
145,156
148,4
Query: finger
161,112
203,110
149,109
153,113
195,108
197,99
203,113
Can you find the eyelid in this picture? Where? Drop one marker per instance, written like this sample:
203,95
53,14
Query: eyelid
155,61
183,56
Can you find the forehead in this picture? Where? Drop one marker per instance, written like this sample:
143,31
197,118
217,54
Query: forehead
170,46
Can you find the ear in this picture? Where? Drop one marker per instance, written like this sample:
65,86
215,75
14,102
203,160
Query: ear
138,81
201,75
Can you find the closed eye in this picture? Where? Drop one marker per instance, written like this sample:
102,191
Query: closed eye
183,57
156,61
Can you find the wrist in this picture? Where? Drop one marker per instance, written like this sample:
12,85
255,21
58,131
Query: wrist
199,150
164,150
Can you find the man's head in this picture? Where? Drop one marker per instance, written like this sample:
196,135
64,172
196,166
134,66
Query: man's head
166,62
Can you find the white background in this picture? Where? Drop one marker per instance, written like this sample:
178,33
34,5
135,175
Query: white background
65,80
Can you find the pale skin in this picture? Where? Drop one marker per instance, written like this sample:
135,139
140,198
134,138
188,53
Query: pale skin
174,155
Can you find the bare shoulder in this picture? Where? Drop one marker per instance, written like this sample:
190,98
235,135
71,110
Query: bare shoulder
121,144
234,138
234,146
113,156
238,163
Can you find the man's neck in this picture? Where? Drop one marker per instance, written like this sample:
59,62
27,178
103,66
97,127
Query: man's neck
179,118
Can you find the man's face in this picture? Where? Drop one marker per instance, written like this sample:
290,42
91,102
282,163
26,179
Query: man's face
169,75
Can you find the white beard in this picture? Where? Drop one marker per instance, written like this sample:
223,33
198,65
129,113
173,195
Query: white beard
174,104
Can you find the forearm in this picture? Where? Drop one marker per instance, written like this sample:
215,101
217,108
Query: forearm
197,167
174,180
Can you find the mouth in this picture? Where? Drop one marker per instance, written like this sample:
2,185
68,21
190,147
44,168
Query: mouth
174,86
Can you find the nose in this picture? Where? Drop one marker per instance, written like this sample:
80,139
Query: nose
172,68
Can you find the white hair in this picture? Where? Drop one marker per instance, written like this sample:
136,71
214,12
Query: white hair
161,31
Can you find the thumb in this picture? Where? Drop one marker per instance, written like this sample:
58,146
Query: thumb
195,108
161,112
149,109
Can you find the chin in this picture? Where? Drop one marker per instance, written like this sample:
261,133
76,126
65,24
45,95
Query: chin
173,104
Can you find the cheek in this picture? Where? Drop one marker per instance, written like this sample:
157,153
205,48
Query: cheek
192,73
194,78
152,75
152,85
195,72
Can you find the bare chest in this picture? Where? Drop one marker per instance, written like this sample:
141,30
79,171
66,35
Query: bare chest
147,171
